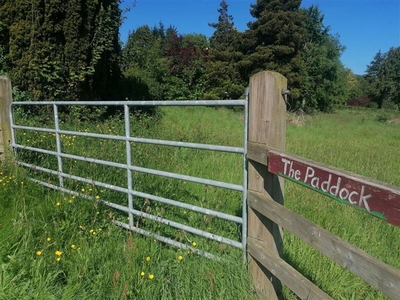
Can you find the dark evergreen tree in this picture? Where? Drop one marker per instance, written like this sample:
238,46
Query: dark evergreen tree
225,32
62,49
372,77
389,78
274,42
323,77
222,77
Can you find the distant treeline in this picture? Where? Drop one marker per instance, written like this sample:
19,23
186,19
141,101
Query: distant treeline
70,50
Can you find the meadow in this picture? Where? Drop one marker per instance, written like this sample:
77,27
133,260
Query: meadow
59,246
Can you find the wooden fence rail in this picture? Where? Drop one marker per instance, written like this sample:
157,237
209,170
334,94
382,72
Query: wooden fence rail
268,166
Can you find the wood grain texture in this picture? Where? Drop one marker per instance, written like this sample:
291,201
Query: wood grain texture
5,127
376,273
294,280
267,126
376,198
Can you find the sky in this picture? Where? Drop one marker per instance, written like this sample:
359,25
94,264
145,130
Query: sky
364,27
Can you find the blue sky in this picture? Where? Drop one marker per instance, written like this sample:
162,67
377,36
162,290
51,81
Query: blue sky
364,26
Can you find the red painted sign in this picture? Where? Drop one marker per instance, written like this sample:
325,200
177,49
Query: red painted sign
378,199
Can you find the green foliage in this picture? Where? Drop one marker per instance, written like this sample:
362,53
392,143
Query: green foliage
390,78
62,49
274,40
222,77
383,77
56,50
323,76
296,43
164,64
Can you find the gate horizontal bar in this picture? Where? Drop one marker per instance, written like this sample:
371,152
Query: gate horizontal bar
158,219
238,150
167,240
135,229
177,225
141,103
215,183
194,208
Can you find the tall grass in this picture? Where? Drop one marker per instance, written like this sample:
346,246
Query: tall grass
99,260
355,141
64,247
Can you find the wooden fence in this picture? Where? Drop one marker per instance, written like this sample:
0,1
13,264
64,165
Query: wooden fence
268,166
5,129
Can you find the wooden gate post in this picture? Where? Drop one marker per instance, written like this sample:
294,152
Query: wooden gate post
5,127
267,126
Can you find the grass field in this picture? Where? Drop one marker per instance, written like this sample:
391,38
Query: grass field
57,246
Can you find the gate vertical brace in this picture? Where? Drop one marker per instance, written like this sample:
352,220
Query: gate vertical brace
267,126
129,163
5,125
245,180
58,142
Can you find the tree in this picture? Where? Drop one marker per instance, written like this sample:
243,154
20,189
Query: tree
389,78
224,34
163,64
62,49
372,78
274,41
143,63
324,78
383,77
222,78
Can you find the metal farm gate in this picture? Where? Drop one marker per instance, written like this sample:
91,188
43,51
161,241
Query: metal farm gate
131,210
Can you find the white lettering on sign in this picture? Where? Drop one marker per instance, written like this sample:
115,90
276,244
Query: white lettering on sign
333,188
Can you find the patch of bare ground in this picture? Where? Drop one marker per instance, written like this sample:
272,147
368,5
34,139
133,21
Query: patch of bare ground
393,121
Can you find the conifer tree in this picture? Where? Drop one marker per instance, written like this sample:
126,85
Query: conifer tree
324,78
274,41
59,49
222,77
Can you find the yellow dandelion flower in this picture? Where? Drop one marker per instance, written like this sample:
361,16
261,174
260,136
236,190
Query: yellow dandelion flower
73,246
91,230
180,257
148,258
97,197
58,253
58,259
151,276
48,239
142,273
38,253
194,244
58,203
83,190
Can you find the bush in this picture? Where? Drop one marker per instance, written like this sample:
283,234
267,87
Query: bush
363,101
383,117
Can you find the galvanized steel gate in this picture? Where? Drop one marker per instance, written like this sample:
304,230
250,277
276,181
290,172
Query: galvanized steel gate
129,190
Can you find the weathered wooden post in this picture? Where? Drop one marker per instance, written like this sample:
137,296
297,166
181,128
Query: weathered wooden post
267,126
5,128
